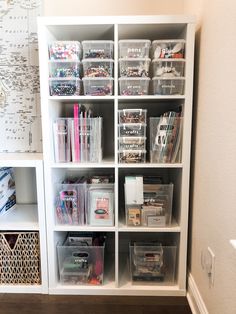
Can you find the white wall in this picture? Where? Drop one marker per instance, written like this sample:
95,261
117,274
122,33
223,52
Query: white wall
112,7
214,155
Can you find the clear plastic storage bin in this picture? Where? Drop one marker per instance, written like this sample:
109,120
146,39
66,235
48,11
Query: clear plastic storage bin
136,86
70,204
78,140
134,48
95,86
64,69
80,265
65,50
64,86
101,204
132,130
152,263
168,86
166,139
132,116
132,156
102,49
156,210
134,67
168,49
168,68
98,67
132,143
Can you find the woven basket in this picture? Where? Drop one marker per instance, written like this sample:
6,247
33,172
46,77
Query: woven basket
19,258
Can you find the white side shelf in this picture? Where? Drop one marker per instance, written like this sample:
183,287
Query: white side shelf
29,212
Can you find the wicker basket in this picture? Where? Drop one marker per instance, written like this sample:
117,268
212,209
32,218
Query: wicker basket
19,258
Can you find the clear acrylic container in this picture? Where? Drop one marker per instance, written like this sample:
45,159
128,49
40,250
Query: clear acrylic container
152,263
136,86
134,48
70,204
80,265
156,210
61,69
102,49
98,67
132,156
65,50
64,86
169,68
101,204
166,139
138,67
132,143
165,49
132,130
132,116
95,86
78,140
168,86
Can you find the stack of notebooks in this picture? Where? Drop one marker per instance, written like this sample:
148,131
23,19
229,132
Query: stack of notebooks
78,139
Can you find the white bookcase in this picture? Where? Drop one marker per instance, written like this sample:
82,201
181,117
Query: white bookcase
29,212
117,279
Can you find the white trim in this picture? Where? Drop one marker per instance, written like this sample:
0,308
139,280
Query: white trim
194,297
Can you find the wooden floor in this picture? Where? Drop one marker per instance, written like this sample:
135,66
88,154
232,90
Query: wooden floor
45,304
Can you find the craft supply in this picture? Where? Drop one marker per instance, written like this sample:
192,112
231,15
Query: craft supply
134,48
95,86
165,49
97,67
64,50
64,87
134,67
64,69
135,86
7,190
132,143
101,49
132,115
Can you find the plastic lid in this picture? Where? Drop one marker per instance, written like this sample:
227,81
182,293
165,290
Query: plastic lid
97,60
133,110
168,78
134,78
135,40
108,78
134,59
124,125
168,60
97,41
169,41
67,78
132,151
130,138
63,61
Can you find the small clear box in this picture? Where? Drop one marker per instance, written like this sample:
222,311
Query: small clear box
136,86
132,130
168,68
152,263
132,116
134,48
62,69
168,49
95,86
98,67
64,86
62,139
168,86
132,143
80,265
132,156
65,50
166,139
102,49
138,67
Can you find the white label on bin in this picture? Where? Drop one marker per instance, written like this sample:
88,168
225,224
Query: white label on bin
156,221
168,86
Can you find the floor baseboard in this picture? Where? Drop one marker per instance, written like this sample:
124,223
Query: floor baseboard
194,297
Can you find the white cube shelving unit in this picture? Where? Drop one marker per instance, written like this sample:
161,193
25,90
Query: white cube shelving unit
117,279
29,212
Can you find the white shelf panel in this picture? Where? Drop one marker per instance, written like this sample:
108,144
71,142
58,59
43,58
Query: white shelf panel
151,97
22,217
173,228
111,289
106,163
21,289
83,228
20,159
96,98
150,165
